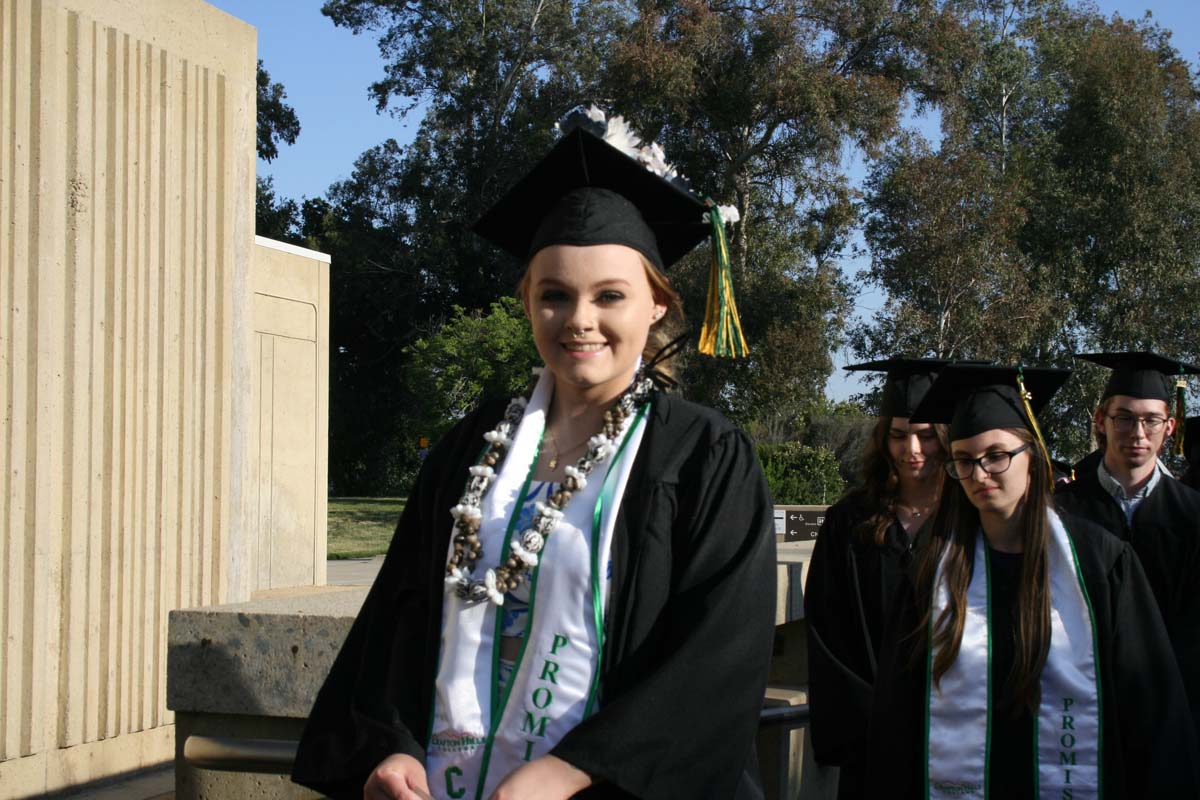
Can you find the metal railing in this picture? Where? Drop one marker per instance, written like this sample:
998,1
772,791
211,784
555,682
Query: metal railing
276,756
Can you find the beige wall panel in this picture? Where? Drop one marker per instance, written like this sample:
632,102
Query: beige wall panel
293,455
7,98
264,404
48,218
290,392
126,225
13,651
286,273
73,645
95,667
279,316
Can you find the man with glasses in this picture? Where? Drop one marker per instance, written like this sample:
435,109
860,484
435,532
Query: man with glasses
1126,489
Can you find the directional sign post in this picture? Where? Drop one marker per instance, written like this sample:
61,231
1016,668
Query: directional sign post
795,535
798,523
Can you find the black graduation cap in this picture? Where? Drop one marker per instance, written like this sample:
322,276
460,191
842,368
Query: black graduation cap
600,185
973,398
1143,375
585,191
907,381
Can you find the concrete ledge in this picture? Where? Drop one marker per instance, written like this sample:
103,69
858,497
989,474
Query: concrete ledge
266,658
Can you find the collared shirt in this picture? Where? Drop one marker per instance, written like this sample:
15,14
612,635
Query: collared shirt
1128,503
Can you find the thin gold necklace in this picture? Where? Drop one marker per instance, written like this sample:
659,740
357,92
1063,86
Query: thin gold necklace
553,462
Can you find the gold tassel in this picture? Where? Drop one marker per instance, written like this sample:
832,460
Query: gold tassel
1037,431
721,335
1180,414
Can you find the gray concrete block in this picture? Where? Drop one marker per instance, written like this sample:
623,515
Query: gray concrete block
267,657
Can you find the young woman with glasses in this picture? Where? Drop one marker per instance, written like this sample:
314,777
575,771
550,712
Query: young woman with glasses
1027,657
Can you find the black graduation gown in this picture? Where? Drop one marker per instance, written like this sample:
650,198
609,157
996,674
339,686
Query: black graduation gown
1166,537
1191,478
849,588
689,630
1147,733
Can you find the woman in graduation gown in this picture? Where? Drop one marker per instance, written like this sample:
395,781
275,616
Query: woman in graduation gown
858,562
588,606
1027,657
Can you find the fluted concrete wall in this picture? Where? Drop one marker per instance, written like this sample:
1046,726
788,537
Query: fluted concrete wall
126,225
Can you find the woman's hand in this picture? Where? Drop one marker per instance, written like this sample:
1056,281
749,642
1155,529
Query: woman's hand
398,777
545,778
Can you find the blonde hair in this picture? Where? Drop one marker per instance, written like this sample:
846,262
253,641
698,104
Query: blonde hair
664,330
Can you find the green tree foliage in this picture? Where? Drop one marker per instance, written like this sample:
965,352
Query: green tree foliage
1115,211
756,102
277,121
274,217
490,80
473,356
943,230
843,429
1058,213
801,475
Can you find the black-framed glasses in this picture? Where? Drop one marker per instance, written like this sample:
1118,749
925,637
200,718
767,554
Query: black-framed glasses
993,463
1126,423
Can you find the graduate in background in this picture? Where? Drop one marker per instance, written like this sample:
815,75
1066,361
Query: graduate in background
1027,657
579,597
858,562
1124,488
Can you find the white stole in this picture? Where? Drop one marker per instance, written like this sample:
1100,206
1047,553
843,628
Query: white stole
1067,733
554,682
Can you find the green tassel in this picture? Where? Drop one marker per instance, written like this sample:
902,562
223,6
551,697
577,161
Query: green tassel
721,335
1026,397
1180,414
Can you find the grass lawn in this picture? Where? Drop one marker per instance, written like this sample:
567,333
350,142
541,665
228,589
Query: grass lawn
362,527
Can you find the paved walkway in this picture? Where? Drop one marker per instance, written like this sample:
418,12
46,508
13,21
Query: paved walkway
352,571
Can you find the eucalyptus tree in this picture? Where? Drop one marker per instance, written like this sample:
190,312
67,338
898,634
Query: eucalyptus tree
758,101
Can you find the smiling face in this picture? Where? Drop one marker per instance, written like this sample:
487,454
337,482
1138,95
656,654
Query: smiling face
914,449
994,494
591,309
1135,447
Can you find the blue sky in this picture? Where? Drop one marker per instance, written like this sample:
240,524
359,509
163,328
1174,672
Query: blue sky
327,70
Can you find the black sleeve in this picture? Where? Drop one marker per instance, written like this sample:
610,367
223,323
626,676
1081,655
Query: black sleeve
1157,738
1184,626
687,727
839,672
378,690
895,758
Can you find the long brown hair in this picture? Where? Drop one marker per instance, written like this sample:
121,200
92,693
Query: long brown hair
879,485
661,332
955,526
